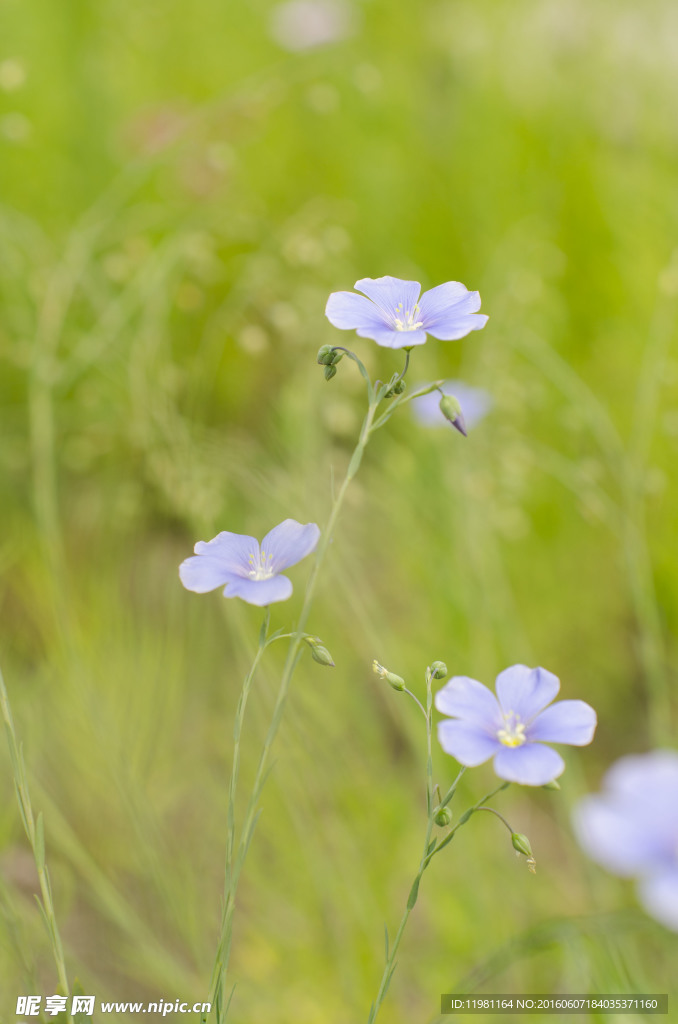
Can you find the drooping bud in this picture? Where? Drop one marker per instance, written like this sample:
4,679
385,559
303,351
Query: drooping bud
319,652
438,670
399,387
443,817
521,843
451,410
330,372
391,678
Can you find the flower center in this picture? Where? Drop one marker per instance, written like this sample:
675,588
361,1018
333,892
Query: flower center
513,733
261,567
407,320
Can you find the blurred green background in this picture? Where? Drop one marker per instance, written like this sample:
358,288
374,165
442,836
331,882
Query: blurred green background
180,193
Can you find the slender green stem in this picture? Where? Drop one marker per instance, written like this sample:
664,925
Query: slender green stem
36,837
430,850
236,860
390,965
216,986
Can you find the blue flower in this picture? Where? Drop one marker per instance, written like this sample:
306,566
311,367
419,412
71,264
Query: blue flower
514,726
249,571
631,828
475,404
395,317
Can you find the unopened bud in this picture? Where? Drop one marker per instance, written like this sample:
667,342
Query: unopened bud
330,372
553,785
329,356
438,670
521,843
391,678
319,652
443,817
451,410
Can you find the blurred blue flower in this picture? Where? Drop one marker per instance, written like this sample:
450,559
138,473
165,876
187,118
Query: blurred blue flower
475,404
513,726
249,571
631,828
394,316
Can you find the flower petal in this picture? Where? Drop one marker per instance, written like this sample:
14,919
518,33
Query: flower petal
468,699
610,834
447,311
637,777
394,339
566,721
470,744
288,543
389,292
526,691
236,552
531,765
457,328
201,574
351,312
659,896
260,592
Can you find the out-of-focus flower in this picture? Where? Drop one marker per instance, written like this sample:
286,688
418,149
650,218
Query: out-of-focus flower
475,404
304,24
514,726
248,570
394,316
631,828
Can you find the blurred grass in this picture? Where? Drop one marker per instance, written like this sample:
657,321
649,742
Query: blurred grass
179,196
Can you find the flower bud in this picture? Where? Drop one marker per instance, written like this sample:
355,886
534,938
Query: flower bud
330,372
328,355
319,652
451,410
443,817
438,670
391,678
521,843
325,354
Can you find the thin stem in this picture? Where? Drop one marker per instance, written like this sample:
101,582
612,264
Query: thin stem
216,987
416,701
237,860
491,810
35,832
390,965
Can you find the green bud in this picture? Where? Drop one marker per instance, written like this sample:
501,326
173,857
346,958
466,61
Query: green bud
330,372
521,843
391,678
319,652
451,410
438,670
443,817
554,785
325,355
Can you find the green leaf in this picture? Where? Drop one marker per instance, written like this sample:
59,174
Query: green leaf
414,892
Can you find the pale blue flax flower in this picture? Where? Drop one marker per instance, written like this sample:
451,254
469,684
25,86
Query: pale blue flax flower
631,828
248,570
514,726
391,312
475,404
